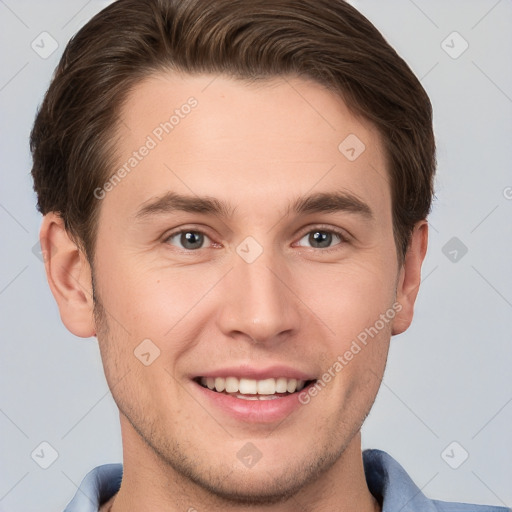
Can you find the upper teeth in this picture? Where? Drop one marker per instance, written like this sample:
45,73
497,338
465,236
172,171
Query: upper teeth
252,386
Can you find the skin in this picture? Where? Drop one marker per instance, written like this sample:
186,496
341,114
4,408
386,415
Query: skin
256,147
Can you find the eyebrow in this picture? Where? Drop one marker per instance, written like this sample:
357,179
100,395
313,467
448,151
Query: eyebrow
321,202
331,202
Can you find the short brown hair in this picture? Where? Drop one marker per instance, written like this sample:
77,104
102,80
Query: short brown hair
329,41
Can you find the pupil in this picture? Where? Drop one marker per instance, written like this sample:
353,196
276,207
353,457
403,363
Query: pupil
321,238
191,240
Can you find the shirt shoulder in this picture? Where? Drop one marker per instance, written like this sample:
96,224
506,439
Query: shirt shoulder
446,506
98,486
394,489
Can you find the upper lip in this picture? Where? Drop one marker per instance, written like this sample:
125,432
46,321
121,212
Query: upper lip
251,372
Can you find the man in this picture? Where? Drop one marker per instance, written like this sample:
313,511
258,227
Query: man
234,199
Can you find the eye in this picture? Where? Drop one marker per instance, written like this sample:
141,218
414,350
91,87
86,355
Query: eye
322,238
188,239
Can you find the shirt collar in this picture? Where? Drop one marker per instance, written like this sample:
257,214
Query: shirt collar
392,487
98,486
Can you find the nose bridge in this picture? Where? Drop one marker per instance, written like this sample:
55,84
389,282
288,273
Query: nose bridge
257,302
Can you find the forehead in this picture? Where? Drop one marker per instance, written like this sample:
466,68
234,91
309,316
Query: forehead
214,135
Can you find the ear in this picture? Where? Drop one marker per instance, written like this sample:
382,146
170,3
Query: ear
409,278
69,276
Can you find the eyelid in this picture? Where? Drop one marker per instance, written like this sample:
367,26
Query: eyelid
185,229
341,233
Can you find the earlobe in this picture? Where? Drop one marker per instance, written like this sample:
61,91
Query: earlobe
410,277
69,276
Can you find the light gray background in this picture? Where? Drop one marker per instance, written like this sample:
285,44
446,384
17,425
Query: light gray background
448,378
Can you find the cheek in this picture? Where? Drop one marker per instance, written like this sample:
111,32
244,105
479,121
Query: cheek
356,303
151,301
348,299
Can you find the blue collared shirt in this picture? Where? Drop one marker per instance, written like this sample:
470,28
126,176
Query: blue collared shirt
387,481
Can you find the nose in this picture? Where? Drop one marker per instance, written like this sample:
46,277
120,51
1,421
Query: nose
258,302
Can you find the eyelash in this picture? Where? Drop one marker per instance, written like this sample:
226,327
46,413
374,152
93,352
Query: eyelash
324,229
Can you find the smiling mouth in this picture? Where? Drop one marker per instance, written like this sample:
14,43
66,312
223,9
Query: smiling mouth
252,389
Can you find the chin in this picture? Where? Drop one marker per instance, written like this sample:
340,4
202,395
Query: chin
272,479
253,487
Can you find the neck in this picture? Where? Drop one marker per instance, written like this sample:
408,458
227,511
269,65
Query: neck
149,483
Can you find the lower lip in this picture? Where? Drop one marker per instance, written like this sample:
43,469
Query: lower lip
252,411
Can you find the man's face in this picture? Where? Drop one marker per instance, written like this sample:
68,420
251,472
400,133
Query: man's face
259,290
